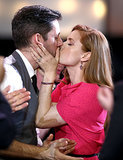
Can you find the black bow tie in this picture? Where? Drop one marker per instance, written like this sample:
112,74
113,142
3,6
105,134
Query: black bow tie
34,83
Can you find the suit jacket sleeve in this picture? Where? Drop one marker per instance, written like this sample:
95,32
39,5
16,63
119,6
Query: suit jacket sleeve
7,127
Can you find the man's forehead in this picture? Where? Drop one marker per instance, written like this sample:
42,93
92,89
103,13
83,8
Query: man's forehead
56,27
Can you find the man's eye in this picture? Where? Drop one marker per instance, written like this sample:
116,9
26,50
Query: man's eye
56,38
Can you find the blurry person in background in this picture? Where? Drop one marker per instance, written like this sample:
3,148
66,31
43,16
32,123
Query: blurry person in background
7,125
17,99
112,101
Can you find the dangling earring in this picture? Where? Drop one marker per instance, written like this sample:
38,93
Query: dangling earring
81,65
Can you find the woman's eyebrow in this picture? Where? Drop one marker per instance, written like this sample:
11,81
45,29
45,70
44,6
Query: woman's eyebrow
70,39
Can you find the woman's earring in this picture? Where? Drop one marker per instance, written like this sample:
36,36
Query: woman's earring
81,65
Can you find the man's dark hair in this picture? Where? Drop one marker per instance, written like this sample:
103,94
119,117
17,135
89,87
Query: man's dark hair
30,20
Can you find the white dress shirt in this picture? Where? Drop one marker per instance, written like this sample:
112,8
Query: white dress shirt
12,76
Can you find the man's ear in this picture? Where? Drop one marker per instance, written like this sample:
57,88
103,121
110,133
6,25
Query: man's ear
37,38
86,56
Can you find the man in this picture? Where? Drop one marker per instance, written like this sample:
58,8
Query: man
32,25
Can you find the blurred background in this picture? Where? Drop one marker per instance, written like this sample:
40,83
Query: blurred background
104,15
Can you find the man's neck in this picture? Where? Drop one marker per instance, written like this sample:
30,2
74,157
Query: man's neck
27,53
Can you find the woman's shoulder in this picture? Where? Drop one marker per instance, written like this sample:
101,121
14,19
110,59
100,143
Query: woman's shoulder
88,88
89,85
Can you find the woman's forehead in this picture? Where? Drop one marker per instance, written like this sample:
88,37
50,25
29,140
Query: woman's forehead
74,35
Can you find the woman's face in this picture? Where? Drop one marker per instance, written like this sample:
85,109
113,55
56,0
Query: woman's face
71,50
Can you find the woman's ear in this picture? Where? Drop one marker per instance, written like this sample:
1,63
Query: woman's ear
86,56
37,38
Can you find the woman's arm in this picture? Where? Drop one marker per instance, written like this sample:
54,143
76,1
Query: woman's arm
47,114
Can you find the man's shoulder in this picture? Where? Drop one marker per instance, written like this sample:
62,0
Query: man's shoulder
9,60
10,69
8,64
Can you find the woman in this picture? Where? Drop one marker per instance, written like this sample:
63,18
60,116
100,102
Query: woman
77,113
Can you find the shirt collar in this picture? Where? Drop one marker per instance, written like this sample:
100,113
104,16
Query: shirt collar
27,64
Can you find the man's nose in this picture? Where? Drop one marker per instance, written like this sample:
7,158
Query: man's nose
60,42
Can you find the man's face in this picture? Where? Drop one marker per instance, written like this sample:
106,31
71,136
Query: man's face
53,41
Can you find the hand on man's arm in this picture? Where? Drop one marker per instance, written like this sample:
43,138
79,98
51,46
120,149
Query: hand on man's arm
17,99
51,150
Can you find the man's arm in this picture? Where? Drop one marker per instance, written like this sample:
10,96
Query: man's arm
18,149
49,151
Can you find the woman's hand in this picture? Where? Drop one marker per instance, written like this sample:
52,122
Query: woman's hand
46,61
58,148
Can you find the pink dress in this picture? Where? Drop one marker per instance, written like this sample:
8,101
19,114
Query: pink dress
80,109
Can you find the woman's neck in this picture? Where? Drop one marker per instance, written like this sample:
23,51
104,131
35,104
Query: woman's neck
75,74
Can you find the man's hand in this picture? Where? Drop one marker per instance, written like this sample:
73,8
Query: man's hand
56,150
17,99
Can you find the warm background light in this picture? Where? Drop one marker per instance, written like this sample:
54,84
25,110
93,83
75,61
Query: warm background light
73,12
18,5
1,7
68,6
99,8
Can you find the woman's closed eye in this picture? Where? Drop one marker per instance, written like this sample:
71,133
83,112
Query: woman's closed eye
70,44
